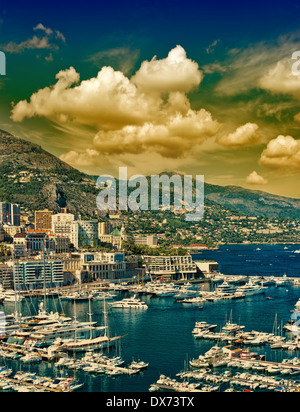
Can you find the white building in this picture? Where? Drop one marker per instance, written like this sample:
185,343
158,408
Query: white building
207,267
102,266
62,223
150,241
30,274
174,267
84,233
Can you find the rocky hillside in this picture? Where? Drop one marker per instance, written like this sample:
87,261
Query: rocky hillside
252,202
36,179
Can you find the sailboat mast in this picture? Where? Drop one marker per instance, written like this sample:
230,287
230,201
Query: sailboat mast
105,319
75,320
19,295
90,316
14,279
44,266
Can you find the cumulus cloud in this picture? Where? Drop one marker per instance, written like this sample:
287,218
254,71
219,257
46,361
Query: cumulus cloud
255,179
174,73
126,116
174,137
281,153
87,158
245,135
108,101
280,79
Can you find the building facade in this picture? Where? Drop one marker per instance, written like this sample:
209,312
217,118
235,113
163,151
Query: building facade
34,274
171,267
103,266
43,219
84,233
10,214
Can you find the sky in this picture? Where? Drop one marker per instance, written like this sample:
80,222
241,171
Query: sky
196,87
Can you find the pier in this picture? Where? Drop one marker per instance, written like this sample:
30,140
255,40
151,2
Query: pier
30,385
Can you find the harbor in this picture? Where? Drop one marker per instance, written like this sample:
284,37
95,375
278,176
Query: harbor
159,338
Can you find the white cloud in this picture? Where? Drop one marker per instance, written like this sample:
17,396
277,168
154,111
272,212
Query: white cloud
281,153
108,101
246,67
47,41
174,73
280,79
120,58
31,44
47,30
255,179
245,135
174,137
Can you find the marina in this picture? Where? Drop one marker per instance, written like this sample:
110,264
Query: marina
172,331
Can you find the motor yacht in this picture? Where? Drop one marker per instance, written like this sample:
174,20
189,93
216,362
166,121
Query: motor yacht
129,303
251,288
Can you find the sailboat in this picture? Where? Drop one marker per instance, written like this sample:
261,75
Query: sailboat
92,343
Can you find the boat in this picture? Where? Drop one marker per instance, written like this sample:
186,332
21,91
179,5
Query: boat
138,365
103,295
232,327
31,357
166,291
12,296
129,303
251,288
78,296
93,342
225,287
283,281
195,300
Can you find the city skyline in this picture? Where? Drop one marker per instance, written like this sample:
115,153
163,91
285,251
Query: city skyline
198,89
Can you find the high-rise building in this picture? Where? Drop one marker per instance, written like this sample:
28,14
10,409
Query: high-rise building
43,219
10,214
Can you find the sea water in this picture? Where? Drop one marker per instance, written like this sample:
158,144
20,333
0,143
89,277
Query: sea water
162,334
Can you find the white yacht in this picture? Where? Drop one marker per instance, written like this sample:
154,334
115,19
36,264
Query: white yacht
282,281
104,295
251,288
129,303
225,287
167,291
12,296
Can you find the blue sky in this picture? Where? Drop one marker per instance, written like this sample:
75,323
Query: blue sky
231,112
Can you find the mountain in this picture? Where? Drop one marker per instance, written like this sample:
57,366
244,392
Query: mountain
253,202
36,179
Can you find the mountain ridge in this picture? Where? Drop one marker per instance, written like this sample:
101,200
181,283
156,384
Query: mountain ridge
37,179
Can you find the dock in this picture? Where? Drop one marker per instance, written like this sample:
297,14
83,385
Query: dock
266,363
21,383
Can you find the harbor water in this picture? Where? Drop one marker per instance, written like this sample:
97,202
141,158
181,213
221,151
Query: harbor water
162,334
